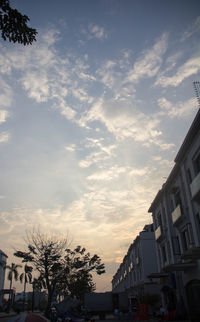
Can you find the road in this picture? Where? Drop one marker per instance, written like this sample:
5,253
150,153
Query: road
25,317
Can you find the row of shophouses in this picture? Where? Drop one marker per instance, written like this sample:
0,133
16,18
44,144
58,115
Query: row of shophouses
165,257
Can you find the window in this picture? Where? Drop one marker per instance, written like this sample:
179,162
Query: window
196,163
172,205
159,221
189,176
164,216
169,251
176,245
164,255
177,198
198,225
185,239
159,257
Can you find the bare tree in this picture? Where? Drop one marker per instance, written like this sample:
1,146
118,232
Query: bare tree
61,270
45,253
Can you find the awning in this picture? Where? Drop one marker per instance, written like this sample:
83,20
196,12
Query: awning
179,267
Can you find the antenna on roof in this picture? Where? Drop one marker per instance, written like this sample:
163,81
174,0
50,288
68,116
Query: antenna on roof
197,91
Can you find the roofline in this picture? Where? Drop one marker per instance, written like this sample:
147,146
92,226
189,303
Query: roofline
193,130
3,253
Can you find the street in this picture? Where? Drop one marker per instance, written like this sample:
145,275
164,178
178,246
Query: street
25,317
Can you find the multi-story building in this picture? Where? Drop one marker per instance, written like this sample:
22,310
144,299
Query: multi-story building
3,260
140,261
176,220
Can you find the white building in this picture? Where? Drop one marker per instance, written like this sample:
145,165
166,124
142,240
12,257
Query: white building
139,262
3,260
176,220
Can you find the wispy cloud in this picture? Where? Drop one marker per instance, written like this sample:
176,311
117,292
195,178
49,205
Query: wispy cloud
100,152
178,110
123,120
4,137
109,174
46,76
71,147
150,62
6,94
192,29
94,31
190,67
3,116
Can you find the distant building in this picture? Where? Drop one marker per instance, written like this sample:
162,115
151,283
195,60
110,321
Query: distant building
38,297
176,220
3,260
140,261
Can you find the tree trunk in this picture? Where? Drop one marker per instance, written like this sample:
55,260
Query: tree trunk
10,288
33,298
48,307
24,293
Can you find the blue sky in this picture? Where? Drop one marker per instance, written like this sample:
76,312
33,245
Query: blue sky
91,118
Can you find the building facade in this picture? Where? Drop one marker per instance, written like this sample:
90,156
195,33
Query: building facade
176,220
140,261
3,260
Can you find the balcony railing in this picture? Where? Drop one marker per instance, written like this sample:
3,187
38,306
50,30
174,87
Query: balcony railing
195,188
176,214
158,233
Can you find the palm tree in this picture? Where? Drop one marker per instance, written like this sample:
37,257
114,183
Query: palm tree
27,277
12,273
37,285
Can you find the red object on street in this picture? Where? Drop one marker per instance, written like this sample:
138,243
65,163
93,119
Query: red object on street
143,311
31,317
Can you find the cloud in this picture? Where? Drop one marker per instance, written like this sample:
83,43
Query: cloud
163,145
172,61
189,68
65,110
3,116
102,152
108,74
115,172
192,29
150,63
4,137
37,85
68,84
6,94
123,120
94,31
46,76
176,110
71,147
110,174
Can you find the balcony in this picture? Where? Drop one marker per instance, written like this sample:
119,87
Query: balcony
158,233
195,188
192,253
177,215
182,266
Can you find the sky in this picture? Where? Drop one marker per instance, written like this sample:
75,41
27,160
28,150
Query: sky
92,116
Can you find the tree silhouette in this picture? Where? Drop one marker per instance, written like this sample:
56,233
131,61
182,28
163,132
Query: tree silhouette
61,270
13,273
26,276
13,25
